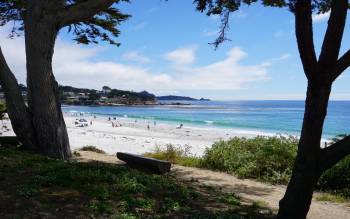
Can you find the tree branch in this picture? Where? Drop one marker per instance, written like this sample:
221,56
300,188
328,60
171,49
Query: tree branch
333,37
334,153
342,64
17,110
304,35
82,11
225,16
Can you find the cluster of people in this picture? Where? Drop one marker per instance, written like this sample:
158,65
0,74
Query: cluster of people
115,123
83,122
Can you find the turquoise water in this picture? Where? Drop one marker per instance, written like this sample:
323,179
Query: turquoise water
268,116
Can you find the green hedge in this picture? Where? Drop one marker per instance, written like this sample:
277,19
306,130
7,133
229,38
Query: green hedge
265,158
268,159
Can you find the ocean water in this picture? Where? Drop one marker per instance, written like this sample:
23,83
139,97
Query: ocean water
284,117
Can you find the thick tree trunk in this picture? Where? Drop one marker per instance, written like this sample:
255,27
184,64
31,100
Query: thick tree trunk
16,108
307,169
43,99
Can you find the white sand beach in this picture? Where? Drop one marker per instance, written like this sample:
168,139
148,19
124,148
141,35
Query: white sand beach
133,136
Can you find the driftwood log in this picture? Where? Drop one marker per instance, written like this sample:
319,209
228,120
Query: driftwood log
145,163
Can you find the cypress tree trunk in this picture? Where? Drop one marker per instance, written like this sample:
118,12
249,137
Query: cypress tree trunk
43,99
17,110
307,168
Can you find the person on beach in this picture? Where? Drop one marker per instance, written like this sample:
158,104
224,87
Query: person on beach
148,127
91,122
155,123
180,126
113,124
109,118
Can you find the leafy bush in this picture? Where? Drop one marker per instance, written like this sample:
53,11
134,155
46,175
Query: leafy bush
265,158
175,155
268,159
337,178
93,149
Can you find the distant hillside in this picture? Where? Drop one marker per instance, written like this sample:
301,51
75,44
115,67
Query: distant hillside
132,96
172,97
107,96
62,88
180,98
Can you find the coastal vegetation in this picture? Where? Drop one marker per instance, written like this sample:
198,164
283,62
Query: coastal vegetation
180,98
107,96
267,159
70,95
93,149
60,189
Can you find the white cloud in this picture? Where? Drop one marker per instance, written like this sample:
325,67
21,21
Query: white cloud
138,26
277,59
227,74
320,17
81,66
135,56
282,57
182,55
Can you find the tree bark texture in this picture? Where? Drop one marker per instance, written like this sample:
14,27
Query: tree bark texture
43,100
307,168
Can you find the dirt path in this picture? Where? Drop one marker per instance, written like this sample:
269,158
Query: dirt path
248,190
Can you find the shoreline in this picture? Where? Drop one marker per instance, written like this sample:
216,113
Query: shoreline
133,136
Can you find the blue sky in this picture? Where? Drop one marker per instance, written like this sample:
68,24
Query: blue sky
165,50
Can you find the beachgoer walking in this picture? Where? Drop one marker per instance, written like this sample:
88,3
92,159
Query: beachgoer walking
148,127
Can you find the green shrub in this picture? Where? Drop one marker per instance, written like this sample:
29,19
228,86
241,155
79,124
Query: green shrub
337,179
175,155
265,158
330,198
93,149
268,159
